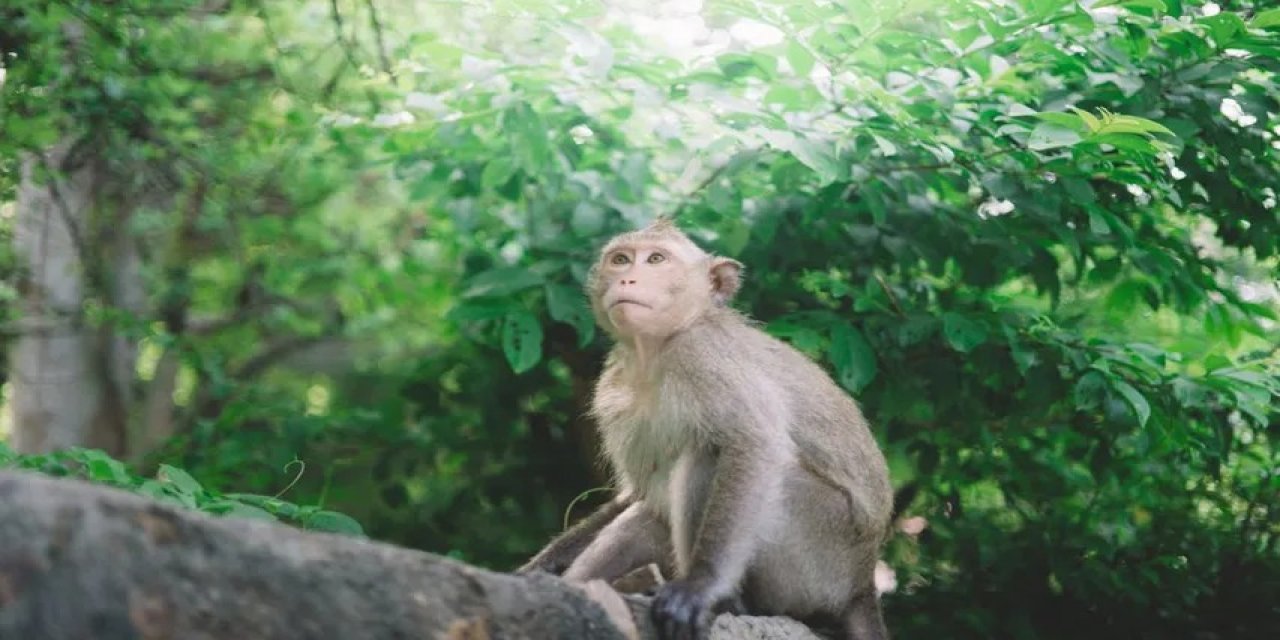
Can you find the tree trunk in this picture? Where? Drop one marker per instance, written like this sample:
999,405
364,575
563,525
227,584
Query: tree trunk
83,561
66,386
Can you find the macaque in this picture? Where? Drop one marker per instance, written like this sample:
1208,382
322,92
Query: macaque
744,472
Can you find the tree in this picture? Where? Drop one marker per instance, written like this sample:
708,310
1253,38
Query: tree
1037,240
137,156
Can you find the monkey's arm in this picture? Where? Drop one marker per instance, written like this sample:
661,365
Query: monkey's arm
743,495
561,552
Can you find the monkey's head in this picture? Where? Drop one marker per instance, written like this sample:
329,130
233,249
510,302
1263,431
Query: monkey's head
655,281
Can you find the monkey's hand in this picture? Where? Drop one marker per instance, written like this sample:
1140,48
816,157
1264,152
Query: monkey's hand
682,609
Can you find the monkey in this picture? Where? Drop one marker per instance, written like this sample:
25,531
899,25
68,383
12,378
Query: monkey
742,469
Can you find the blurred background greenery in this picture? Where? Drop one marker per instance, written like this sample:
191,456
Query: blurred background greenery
333,250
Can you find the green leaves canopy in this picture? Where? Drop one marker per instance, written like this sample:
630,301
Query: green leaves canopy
1038,239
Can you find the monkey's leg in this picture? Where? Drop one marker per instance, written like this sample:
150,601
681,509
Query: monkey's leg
564,549
863,620
635,538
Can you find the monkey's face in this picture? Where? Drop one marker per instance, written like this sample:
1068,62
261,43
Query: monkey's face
654,282
650,289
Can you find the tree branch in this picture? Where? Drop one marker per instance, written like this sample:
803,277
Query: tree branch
349,46
376,25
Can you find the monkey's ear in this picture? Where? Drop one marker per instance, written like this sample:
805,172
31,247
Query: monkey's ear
726,278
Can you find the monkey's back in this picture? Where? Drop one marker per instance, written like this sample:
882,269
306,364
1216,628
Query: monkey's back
837,497
832,437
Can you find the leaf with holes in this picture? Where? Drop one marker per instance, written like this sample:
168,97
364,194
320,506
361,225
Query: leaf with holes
521,340
1047,136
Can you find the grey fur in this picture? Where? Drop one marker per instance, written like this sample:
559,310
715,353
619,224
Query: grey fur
757,472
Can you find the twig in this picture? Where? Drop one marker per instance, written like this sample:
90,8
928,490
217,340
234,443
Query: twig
715,174
348,50
339,29
298,476
893,298
376,25
275,351
569,509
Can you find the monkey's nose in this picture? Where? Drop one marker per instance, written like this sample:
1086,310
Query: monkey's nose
626,282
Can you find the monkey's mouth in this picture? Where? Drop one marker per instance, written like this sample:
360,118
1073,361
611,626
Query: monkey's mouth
621,301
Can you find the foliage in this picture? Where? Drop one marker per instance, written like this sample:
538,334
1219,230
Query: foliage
176,487
1037,240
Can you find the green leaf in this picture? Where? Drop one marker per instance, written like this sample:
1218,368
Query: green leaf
962,333
1063,120
179,479
168,493
1079,190
502,281
1188,392
800,335
1157,5
333,522
1265,19
269,504
633,172
1224,27
799,58
1023,358
1089,389
1126,142
497,172
237,509
1116,123
818,155
1088,119
738,65
569,305
886,148
588,219
1135,399
479,311
241,510
103,468
521,340
852,356
916,329
792,98
526,134
1047,136
111,471
1254,403
1016,110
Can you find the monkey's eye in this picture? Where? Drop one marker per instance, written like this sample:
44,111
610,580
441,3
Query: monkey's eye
619,258
655,258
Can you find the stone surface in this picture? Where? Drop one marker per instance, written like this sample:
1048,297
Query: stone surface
79,560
